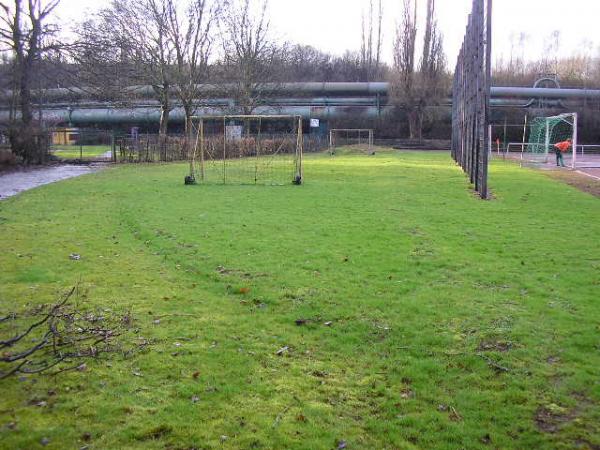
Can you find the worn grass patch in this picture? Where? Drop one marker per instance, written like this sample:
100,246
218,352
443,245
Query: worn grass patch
582,182
380,305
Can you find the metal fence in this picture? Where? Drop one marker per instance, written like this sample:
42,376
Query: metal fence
72,144
103,145
108,146
151,148
471,97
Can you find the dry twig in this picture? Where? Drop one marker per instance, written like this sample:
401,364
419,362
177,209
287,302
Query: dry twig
58,337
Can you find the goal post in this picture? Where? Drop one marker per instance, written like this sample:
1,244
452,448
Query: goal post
545,132
537,144
358,138
246,149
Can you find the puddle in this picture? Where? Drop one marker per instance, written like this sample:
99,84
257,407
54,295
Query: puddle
22,180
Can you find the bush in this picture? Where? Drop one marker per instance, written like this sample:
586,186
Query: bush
7,158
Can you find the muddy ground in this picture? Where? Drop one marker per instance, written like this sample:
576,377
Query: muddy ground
580,181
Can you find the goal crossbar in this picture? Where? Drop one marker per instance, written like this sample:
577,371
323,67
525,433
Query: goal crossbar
547,131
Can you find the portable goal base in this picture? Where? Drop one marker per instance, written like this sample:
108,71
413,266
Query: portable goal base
190,180
246,149
361,138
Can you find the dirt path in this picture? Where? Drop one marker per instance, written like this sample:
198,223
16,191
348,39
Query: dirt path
582,181
586,179
22,180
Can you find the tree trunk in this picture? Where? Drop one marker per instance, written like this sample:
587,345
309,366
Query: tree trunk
414,127
165,111
421,115
27,140
25,96
189,138
188,112
24,142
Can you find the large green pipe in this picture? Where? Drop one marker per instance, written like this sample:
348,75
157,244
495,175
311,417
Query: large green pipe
312,88
151,115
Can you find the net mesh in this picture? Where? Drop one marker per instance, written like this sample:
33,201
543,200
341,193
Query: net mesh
247,150
351,141
545,132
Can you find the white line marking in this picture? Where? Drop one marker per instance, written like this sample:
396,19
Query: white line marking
588,175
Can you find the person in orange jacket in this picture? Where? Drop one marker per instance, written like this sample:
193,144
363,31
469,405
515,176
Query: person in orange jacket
559,149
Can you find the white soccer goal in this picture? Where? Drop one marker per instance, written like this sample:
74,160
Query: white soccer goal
360,139
538,144
544,133
246,149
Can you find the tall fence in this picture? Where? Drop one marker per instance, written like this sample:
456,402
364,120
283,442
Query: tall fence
154,148
471,97
151,148
74,144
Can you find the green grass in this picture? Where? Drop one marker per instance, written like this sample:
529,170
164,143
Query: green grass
421,280
77,152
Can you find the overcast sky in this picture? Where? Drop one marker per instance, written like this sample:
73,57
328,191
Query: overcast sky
334,25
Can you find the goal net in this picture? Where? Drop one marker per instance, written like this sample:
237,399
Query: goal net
544,133
246,149
360,140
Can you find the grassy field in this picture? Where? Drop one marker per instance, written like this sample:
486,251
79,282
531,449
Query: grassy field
77,152
432,319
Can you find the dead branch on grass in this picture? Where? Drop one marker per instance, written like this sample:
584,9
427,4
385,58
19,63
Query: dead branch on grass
493,363
60,336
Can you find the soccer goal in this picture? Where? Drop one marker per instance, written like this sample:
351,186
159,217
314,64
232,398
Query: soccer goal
246,149
544,133
353,138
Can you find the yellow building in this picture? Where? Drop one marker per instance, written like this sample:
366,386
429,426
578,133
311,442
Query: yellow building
65,136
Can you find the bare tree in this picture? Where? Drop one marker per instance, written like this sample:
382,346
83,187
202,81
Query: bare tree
306,63
403,74
104,70
414,88
152,51
190,35
433,62
26,33
137,33
249,54
552,47
371,38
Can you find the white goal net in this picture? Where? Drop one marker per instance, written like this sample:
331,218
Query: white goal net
360,140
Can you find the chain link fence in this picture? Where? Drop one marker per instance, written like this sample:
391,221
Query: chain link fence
71,144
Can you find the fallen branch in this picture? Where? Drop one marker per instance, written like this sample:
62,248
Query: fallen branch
58,336
493,363
455,415
44,319
175,315
280,416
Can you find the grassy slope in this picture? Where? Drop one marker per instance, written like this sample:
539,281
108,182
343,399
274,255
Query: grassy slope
74,151
413,270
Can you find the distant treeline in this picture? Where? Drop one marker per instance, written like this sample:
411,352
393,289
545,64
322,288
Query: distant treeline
176,46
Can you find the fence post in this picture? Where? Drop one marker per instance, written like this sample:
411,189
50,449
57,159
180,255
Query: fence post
471,96
574,142
113,146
